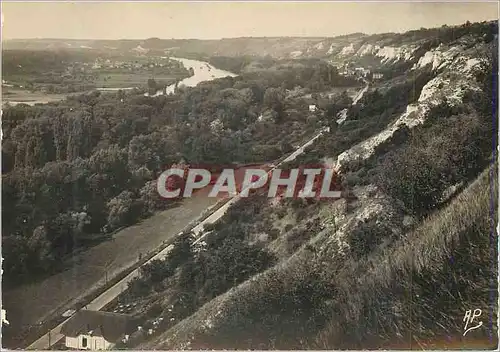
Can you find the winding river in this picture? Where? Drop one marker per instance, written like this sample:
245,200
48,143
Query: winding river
203,71
31,304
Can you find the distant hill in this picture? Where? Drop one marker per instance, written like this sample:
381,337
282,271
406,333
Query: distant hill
395,262
387,45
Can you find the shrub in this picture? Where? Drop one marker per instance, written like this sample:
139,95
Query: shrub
123,210
274,233
365,238
436,157
138,287
281,212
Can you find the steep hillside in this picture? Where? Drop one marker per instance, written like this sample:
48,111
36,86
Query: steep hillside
395,262
454,68
413,292
399,259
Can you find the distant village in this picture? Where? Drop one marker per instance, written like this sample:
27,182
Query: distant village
350,69
152,62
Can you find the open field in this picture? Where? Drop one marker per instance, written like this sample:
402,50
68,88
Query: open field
18,95
27,305
126,80
104,80
89,267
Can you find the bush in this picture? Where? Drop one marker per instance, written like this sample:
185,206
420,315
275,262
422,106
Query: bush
366,237
155,272
182,251
351,179
436,157
208,227
123,210
274,233
281,212
301,214
154,310
228,265
138,287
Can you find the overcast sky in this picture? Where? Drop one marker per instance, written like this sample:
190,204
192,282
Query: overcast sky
213,20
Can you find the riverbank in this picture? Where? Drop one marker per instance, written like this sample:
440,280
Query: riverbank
202,70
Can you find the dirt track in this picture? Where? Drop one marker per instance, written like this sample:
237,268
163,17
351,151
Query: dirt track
29,304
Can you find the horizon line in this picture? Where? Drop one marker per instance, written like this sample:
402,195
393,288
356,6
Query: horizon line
250,36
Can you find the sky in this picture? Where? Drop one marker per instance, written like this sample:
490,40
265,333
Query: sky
215,20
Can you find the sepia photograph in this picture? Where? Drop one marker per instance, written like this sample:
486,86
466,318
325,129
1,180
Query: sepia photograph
249,175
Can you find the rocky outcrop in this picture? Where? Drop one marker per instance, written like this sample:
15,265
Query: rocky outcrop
451,84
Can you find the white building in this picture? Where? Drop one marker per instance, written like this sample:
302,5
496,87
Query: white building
378,75
4,318
95,330
312,108
363,72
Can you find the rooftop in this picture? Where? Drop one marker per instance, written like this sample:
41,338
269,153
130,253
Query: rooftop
111,326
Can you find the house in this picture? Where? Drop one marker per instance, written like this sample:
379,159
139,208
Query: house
312,108
378,75
4,317
95,330
361,71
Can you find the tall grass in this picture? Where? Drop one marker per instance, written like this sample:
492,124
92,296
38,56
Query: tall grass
416,293
412,294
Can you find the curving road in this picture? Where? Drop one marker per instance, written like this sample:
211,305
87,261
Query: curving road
113,292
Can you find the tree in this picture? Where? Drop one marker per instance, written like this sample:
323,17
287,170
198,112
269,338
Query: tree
156,271
182,250
151,198
274,99
123,210
41,250
152,86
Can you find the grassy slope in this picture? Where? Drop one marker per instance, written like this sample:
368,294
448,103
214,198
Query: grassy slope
444,267
412,294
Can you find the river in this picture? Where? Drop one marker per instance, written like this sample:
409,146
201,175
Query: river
31,304
203,71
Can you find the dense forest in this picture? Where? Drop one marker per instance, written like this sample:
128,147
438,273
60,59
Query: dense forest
76,170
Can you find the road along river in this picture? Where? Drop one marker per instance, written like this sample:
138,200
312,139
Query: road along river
113,292
110,294
30,305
